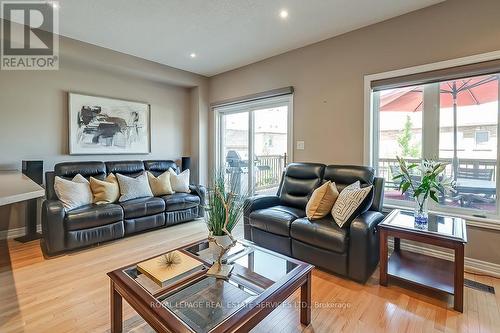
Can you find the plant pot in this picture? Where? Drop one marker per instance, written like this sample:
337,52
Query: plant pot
225,241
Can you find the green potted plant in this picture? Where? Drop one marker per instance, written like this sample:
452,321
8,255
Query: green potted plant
423,181
225,205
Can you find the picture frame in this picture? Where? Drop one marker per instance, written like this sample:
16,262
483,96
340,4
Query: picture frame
100,125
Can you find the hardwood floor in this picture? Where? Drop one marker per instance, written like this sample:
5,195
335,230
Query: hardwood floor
70,293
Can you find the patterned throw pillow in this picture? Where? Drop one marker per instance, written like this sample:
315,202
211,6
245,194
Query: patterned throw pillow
105,191
180,182
73,193
132,188
321,201
349,203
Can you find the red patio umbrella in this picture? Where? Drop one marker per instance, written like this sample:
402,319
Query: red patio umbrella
469,91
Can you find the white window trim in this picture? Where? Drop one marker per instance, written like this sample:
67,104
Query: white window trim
490,222
481,131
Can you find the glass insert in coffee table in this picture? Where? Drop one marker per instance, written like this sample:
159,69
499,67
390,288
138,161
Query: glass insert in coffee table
203,302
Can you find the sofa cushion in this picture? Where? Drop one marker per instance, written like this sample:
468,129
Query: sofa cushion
352,201
142,207
143,223
105,191
180,182
73,193
90,216
276,219
133,188
321,202
323,233
127,168
179,201
84,237
299,182
344,175
157,167
160,185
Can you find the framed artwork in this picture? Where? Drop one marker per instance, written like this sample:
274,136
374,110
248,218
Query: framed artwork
102,125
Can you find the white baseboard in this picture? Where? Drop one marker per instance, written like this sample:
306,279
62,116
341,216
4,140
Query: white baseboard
16,232
470,264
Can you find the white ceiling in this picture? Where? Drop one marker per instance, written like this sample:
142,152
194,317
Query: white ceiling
224,34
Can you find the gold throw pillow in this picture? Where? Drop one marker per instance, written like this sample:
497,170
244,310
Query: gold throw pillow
160,185
105,191
322,200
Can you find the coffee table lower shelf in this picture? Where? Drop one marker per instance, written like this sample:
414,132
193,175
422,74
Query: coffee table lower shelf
423,270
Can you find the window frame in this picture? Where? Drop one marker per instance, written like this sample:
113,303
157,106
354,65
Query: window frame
488,135
430,132
250,106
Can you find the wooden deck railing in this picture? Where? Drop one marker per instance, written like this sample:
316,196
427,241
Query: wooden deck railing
387,165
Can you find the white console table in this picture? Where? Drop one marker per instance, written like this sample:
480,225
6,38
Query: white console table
16,187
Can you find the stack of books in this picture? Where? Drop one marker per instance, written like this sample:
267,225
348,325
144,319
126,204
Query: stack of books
163,274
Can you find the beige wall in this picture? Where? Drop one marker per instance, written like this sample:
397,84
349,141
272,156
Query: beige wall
328,79
34,115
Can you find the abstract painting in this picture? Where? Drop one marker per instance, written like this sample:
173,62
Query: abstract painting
102,125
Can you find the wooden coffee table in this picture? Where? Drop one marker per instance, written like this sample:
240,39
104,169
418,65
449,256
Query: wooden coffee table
260,281
430,272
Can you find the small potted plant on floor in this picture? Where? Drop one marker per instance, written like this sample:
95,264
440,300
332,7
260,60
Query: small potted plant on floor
423,181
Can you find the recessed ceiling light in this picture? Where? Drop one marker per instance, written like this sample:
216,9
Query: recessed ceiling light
283,14
193,55
54,4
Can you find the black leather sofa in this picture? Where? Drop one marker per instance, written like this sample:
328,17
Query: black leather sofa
279,222
93,224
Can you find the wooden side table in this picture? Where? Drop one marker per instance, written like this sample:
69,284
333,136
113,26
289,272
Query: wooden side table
423,270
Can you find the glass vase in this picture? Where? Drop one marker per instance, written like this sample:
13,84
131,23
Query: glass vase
421,213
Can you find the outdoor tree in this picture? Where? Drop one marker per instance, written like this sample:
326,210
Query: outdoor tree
408,149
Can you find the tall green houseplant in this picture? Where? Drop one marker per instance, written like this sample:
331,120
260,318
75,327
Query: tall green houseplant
220,195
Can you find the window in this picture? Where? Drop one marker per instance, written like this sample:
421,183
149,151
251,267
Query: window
254,142
454,121
400,132
481,137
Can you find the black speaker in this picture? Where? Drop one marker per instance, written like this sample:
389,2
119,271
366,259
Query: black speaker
186,163
34,170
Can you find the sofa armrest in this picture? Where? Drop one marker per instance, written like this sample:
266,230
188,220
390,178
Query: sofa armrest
260,202
200,191
378,194
255,203
53,214
364,245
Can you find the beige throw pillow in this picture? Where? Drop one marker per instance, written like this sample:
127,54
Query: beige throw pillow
160,185
349,202
73,193
180,182
322,200
105,191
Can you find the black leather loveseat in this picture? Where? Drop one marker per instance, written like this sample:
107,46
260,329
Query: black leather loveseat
92,224
278,222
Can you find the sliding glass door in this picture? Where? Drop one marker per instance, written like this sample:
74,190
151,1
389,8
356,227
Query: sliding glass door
253,143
